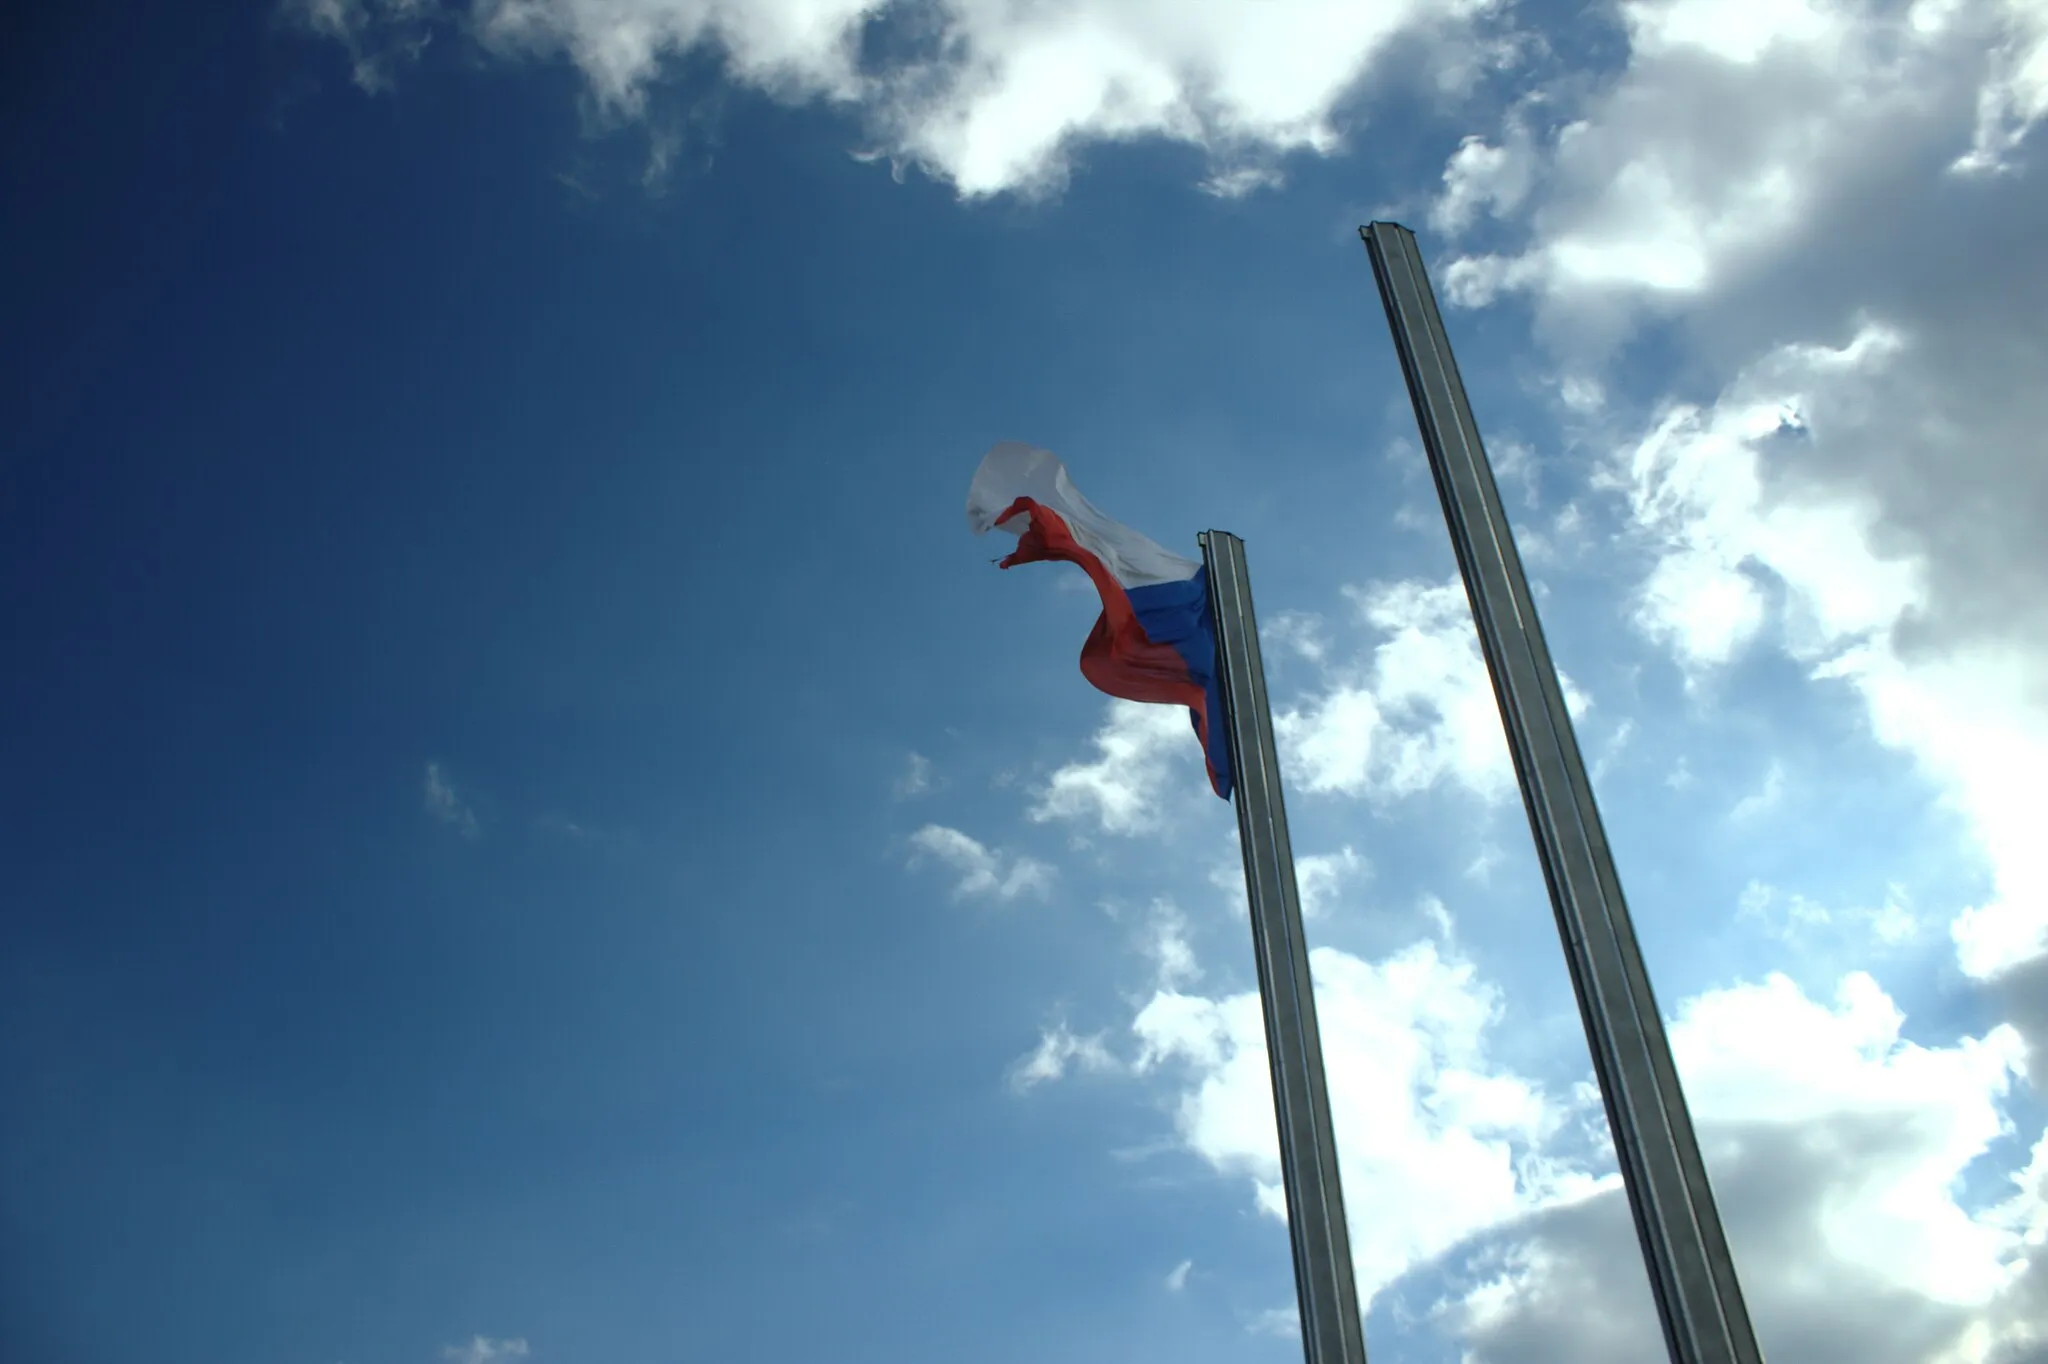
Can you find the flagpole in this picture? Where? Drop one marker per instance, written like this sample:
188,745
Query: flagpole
1325,1288
1692,1275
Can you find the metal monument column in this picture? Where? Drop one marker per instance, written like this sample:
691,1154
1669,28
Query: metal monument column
1331,1331
1691,1273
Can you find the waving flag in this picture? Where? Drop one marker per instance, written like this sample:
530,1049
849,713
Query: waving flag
1155,640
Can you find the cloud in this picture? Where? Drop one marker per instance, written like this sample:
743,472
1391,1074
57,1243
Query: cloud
1167,944
484,1350
1436,1140
1242,181
1860,492
989,96
379,36
1765,798
1483,178
1838,1151
1730,134
1696,489
1835,206
1059,1049
1791,911
1759,518
1284,1322
1480,868
1119,792
1177,1279
1975,723
438,796
1294,632
1794,918
1319,877
1851,268
982,870
2014,95
1416,712
916,778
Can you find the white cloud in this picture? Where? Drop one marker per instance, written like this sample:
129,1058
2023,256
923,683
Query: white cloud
1330,742
916,778
1728,501
1796,918
1137,749
438,796
1976,722
1417,712
2014,97
1894,921
1481,177
1439,917
982,870
1838,1150
1167,944
1177,1278
1765,798
1320,876
1738,32
1611,750
1696,486
1735,128
1767,903
1480,868
1057,1050
1294,632
996,95
1242,181
798,49
1284,1322
378,35
484,1350
1436,1140
1864,493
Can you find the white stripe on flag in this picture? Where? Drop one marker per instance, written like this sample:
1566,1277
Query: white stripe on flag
1012,470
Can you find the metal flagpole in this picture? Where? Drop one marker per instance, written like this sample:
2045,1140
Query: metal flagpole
1691,1273
1324,1286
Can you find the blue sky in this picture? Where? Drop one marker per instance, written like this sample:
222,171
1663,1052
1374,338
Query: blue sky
530,830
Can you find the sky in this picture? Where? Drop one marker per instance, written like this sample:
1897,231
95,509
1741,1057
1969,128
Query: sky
531,831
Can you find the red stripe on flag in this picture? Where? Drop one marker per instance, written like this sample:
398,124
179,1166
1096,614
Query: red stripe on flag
1119,658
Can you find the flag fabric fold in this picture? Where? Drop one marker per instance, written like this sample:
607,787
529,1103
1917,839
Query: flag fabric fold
1155,639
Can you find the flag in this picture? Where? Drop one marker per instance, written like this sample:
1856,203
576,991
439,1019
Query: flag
1155,639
